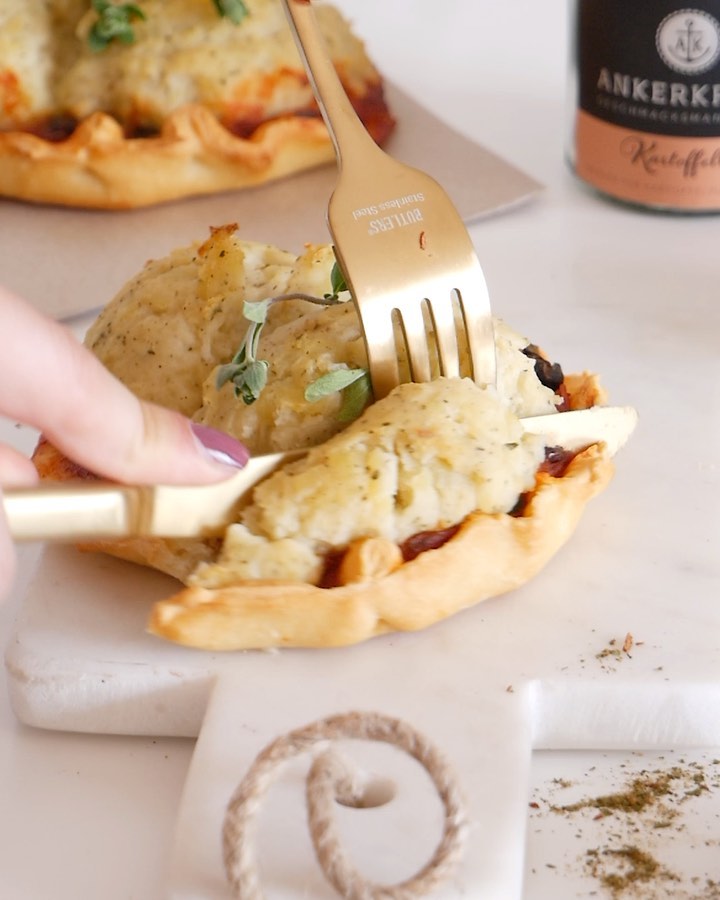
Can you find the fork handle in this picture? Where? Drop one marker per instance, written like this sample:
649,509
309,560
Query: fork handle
347,131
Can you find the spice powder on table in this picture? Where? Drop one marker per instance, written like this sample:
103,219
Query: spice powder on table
631,837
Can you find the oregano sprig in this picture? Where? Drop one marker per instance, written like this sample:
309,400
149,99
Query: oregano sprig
248,373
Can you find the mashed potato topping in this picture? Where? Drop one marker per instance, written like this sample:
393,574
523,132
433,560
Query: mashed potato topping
181,316
25,60
167,331
183,52
423,458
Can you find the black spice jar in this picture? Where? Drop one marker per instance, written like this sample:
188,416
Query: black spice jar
646,102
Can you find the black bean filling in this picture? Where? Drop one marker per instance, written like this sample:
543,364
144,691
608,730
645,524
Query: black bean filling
549,374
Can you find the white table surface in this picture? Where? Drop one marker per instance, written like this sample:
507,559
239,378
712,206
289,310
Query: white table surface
88,816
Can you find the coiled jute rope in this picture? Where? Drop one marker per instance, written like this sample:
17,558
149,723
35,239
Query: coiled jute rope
329,781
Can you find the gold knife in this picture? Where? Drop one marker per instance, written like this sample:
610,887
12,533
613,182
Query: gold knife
68,511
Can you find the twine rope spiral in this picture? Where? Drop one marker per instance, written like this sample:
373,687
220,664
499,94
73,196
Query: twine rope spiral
328,781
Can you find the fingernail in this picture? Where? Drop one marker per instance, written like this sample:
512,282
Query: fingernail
220,446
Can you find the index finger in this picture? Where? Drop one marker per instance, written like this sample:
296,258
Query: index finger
52,382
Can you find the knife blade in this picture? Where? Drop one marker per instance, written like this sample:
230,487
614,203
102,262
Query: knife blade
69,511
578,429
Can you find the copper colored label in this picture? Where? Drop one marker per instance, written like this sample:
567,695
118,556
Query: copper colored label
649,169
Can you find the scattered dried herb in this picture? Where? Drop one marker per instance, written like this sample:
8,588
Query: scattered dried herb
642,792
633,829
616,651
620,869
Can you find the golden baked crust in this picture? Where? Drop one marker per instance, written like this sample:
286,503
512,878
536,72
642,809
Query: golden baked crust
195,105
389,595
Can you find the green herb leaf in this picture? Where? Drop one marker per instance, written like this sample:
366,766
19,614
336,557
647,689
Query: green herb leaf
337,283
355,398
247,373
256,310
226,373
235,10
354,384
337,279
113,24
248,379
331,383
253,380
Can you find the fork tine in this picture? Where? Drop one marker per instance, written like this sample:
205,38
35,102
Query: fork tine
414,331
444,327
382,355
473,296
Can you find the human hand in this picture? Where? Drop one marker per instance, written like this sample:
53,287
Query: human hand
49,381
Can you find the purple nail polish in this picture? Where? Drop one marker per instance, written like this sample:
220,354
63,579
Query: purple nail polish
220,446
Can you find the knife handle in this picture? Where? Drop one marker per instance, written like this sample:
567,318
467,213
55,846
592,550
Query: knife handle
71,512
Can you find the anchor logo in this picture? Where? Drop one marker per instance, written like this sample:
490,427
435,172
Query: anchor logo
688,41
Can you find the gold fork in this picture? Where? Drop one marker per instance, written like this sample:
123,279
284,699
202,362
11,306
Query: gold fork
403,248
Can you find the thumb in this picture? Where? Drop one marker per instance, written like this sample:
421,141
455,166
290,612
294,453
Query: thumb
141,442
156,445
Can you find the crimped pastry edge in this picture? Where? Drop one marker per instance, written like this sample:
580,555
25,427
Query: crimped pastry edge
97,167
435,585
